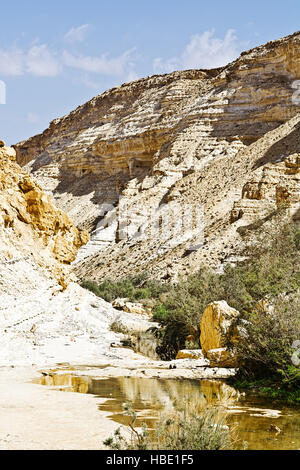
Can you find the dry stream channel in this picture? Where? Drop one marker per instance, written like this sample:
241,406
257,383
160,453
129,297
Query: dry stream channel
261,424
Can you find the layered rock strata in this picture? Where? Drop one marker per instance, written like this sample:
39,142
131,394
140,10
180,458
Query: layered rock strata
165,170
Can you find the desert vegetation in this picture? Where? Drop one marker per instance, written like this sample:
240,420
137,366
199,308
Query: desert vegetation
184,429
264,288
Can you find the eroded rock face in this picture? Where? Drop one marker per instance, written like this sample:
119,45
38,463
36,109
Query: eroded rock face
209,139
218,326
30,225
275,185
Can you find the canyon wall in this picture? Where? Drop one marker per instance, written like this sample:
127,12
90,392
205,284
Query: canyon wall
31,228
221,141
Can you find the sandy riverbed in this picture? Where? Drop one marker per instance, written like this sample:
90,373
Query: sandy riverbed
35,417
41,329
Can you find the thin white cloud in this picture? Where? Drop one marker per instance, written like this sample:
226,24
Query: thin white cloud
103,64
11,62
38,61
203,51
41,62
77,34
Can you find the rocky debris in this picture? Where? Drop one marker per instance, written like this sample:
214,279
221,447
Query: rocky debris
131,307
131,323
202,139
222,357
190,354
219,333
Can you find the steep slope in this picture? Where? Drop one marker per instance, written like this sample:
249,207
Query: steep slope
31,228
237,195
44,317
170,146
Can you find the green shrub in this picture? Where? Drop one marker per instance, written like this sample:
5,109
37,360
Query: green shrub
266,350
270,268
91,286
183,430
133,288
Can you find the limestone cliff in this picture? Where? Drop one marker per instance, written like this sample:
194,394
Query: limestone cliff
30,226
225,140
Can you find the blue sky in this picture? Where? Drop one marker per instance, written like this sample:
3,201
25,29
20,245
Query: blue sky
56,55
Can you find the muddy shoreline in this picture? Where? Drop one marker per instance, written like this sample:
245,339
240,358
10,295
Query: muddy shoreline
38,417
34,417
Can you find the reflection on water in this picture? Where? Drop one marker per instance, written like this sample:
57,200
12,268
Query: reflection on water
256,419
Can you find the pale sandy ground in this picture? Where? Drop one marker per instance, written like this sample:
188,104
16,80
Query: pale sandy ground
40,326
35,417
44,326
